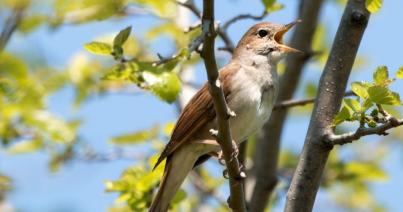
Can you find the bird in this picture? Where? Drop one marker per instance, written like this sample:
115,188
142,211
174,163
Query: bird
250,85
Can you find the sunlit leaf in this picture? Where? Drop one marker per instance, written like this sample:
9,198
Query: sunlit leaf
366,171
135,138
382,95
165,85
122,36
30,23
168,128
272,5
381,75
179,196
5,183
98,48
373,5
25,147
343,115
360,89
353,104
162,8
399,73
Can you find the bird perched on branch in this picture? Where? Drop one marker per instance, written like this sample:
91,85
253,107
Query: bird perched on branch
250,86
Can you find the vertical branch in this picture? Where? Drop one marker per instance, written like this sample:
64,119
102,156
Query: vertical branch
236,201
268,144
10,26
306,180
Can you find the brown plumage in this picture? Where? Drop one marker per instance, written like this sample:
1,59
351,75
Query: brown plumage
250,87
197,113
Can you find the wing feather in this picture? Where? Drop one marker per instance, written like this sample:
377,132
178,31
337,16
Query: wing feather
197,113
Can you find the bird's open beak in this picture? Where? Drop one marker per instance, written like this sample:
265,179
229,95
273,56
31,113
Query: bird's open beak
278,37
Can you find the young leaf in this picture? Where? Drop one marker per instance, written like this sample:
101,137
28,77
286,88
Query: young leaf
399,73
343,115
353,104
25,147
122,36
272,5
384,96
373,5
366,171
165,85
381,75
360,89
98,48
135,138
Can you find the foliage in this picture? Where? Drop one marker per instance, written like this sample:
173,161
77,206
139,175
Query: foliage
370,98
373,5
124,62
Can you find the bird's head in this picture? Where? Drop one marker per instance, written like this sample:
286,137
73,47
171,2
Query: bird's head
266,39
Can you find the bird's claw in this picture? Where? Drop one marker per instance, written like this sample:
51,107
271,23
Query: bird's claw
225,174
221,159
235,150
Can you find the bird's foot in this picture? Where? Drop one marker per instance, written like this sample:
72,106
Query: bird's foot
234,154
235,150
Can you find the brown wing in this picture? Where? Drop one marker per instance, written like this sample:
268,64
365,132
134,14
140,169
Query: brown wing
197,113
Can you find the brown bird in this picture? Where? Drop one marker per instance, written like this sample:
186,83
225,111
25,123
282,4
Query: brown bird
250,85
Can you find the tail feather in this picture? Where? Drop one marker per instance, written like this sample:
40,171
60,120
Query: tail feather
177,167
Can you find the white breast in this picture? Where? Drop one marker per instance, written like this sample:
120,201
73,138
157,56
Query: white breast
254,93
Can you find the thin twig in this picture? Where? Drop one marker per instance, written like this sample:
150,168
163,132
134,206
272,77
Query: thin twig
227,24
10,26
360,132
292,103
237,199
191,6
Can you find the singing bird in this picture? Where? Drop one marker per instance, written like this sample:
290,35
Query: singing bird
250,85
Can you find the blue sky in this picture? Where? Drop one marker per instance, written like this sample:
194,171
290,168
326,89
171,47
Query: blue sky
79,186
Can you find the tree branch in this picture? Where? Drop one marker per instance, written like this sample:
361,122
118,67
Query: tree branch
239,17
345,138
191,6
307,177
268,143
236,201
292,103
222,31
10,26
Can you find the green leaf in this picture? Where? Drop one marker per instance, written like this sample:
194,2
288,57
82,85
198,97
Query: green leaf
30,23
360,89
399,73
353,104
25,147
272,5
367,104
122,36
366,171
373,5
165,85
343,115
98,48
179,196
135,138
383,96
381,75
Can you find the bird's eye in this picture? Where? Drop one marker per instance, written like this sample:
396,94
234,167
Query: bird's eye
262,33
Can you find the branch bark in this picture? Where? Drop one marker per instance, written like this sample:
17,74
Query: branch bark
305,183
10,26
345,138
292,102
236,201
268,144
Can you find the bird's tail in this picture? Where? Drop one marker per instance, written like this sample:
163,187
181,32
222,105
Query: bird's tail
177,167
